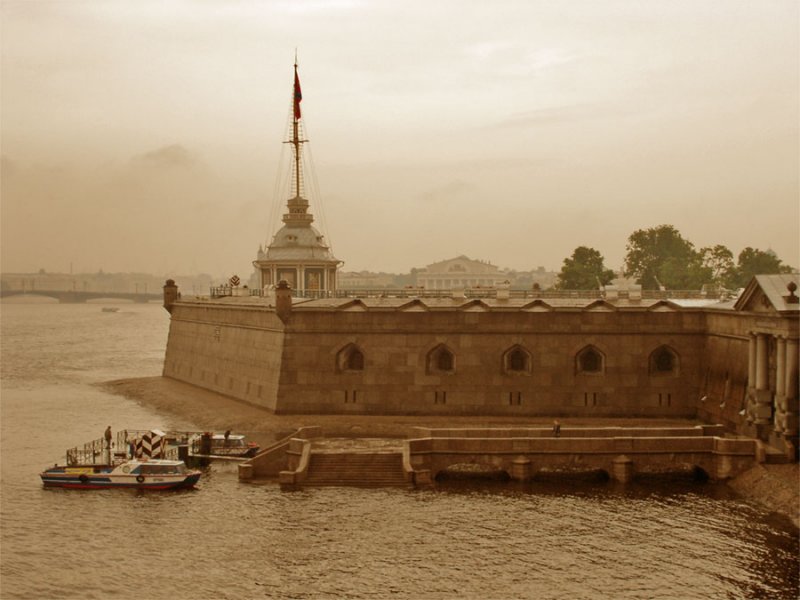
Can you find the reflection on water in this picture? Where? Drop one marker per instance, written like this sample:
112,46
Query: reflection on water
550,538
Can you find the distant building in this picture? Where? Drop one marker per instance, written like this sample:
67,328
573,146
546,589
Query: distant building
366,280
460,272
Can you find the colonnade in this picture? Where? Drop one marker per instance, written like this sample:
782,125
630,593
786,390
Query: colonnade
778,406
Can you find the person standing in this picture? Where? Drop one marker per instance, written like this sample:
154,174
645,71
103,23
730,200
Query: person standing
107,436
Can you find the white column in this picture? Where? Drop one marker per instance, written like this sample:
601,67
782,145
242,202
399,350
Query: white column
791,418
751,365
779,402
762,362
780,367
792,368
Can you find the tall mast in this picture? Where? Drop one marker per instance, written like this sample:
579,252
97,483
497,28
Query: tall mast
298,96
298,206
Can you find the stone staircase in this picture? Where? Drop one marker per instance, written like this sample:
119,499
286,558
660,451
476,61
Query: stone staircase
365,469
773,456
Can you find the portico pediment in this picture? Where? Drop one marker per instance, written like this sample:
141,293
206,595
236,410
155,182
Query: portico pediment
769,294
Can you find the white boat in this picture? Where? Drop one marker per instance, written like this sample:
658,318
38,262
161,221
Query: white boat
144,474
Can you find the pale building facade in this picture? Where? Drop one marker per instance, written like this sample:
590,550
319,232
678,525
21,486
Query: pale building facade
459,273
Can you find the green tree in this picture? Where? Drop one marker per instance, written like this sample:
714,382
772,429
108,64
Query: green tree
660,255
719,259
753,261
583,269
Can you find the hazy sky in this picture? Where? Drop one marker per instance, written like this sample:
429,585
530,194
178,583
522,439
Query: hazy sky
147,135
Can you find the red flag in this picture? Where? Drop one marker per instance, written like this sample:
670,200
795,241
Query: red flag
298,95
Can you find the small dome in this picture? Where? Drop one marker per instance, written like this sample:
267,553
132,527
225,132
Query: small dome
298,243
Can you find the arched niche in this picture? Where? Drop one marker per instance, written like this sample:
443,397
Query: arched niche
441,360
517,361
664,362
590,361
350,358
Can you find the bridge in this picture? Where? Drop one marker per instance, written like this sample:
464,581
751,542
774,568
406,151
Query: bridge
522,453
77,297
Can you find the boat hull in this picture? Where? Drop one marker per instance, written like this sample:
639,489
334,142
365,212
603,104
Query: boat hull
153,475
97,483
103,483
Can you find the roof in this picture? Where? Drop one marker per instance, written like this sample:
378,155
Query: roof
298,243
773,289
438,304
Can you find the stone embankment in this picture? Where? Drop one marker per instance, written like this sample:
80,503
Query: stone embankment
774,486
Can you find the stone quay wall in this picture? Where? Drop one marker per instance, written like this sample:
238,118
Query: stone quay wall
620,457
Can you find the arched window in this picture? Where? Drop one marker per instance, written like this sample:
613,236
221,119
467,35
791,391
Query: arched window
350,358
355,361
517,361
663,361
590,360
444,361
441,359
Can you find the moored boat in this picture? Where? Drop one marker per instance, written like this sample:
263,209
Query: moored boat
228,445
151,474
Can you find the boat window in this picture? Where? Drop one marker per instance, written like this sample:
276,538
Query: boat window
229,443
161,469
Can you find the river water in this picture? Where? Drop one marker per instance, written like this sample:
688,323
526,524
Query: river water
225,539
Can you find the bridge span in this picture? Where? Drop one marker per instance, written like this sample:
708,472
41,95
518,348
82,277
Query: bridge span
78,297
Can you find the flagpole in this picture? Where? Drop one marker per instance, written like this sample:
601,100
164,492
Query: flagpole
296,137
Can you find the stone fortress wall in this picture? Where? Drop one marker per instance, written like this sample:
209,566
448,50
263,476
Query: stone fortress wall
451,356
401,371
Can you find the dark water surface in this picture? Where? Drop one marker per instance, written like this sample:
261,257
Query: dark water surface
225,539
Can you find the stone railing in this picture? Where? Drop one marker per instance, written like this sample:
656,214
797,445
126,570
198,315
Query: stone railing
278,457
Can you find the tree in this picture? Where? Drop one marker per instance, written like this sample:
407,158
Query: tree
583,269
719,259
753,261
661,256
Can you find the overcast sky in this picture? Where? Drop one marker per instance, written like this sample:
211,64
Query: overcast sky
147,135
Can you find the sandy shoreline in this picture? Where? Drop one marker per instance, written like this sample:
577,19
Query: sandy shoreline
775,486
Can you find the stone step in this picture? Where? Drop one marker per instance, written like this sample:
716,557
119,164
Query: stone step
355,468
773,456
